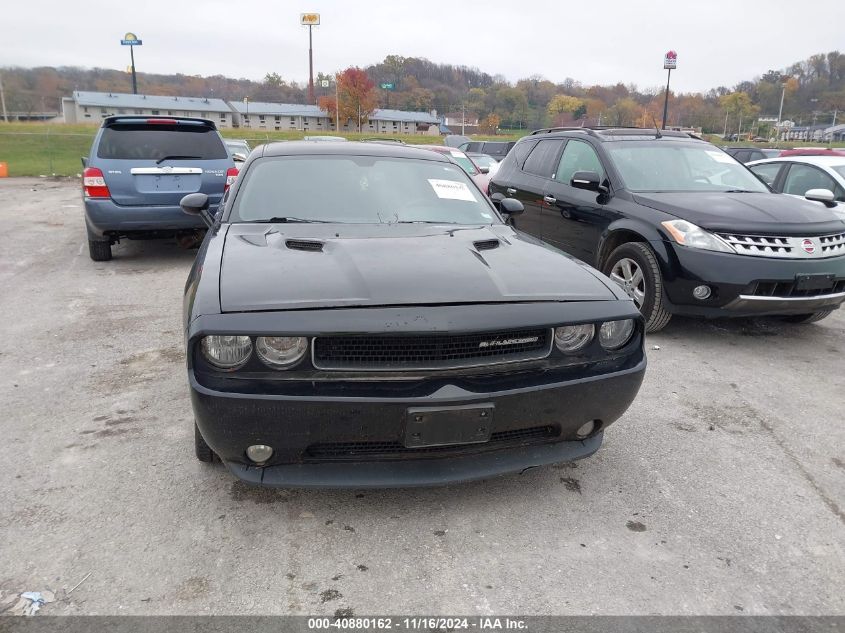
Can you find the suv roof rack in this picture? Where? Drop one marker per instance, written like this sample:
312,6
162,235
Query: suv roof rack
613,130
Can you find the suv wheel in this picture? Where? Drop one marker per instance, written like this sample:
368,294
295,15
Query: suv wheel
202,450
99,251
808,318
634,267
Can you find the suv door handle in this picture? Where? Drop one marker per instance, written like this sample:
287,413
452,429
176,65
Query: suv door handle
511,191
549,199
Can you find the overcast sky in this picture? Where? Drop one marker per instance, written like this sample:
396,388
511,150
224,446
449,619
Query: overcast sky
719,42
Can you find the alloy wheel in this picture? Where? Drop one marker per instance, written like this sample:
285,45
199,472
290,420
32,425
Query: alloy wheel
627,273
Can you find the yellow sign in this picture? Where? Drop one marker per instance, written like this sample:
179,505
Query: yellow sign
309,19
130,36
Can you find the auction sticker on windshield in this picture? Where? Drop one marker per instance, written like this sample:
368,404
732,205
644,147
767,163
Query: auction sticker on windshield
720,157
451,190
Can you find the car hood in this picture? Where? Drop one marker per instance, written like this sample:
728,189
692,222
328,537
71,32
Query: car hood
764,213
296,266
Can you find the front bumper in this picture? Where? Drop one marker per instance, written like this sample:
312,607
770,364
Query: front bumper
104,217
316,438
735,280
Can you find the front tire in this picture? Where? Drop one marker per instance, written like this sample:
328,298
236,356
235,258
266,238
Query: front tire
203,451
99,251
808,318
634,267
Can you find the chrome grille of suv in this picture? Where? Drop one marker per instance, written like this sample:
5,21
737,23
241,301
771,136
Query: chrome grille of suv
786,247
429,351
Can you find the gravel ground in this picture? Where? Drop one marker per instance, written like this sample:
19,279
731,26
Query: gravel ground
721,491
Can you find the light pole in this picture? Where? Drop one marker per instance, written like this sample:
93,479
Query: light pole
310,20
833,125
131,40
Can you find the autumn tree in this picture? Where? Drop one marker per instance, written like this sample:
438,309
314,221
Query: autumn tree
357,95
562,105
489,124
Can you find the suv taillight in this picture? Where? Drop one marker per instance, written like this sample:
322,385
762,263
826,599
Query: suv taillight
94,184
231,177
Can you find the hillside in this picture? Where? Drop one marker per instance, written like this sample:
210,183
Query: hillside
815,87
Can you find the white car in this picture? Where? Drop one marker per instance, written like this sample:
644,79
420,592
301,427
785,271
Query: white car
804,176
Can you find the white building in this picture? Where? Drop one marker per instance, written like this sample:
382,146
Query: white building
93,107
260,115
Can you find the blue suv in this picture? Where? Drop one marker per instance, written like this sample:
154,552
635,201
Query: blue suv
138,171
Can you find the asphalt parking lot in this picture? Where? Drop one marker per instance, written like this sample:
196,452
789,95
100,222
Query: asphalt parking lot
721,491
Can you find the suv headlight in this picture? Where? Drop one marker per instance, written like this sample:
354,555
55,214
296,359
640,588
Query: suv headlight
688,234
281,352
227,352
572,338
615,334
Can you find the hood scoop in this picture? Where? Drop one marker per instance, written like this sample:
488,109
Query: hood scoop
304,245
486,245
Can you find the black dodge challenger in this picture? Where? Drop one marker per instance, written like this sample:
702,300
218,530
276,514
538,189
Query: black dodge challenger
362,315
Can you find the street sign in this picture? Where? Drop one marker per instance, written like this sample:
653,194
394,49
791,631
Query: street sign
324,83
670,61
387,86
130,39
309,19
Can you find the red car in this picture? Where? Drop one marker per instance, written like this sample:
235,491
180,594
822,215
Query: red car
812,151
480,178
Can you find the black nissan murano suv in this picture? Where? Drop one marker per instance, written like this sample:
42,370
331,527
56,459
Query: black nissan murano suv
679,224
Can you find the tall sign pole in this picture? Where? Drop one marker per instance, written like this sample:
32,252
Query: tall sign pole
310,20
670,62
131,40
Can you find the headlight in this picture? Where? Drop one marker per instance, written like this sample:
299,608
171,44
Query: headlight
227,352
571,338
688,234
280,352
614,334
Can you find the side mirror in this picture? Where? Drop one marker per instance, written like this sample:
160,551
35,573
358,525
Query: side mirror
588,180
484,169
510,207
197,204
825,196
238,157
497,198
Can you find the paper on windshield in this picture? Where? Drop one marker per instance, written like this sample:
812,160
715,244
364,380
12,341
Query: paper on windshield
720,157
451,190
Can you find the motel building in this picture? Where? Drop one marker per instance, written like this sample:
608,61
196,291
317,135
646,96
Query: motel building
93,107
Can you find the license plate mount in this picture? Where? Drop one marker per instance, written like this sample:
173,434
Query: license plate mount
815,282
448,426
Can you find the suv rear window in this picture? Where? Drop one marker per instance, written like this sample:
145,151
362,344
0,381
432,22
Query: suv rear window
153,142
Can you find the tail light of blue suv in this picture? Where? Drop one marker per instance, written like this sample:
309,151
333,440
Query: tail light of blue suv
94,183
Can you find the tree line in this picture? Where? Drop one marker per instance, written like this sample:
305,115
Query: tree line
811,90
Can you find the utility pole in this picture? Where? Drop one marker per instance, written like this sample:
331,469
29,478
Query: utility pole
463,118
780,112
3,100
833,125
725,135
336,103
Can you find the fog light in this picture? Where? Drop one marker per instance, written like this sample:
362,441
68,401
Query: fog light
259,453
586,429
701,292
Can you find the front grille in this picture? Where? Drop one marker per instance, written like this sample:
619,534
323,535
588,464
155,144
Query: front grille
429,351
786,247
787,289
393,449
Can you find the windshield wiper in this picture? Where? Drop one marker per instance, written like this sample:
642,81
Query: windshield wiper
176,157
286,219
739,191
